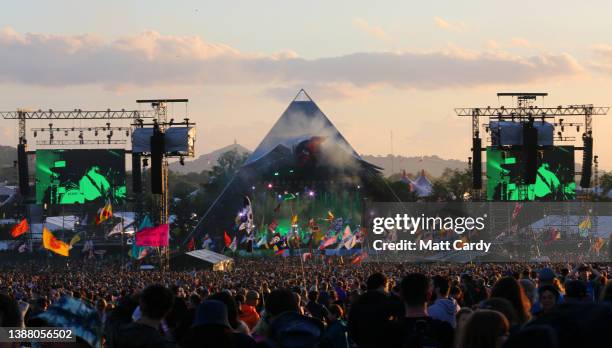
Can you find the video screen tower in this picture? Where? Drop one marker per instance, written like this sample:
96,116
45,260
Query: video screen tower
530,155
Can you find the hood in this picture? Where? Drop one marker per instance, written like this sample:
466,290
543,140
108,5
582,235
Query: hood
448,305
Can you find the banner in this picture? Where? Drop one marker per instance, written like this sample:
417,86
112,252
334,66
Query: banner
153,236
54,244
19,229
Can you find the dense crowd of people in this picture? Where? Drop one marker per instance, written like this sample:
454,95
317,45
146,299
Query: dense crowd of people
283,302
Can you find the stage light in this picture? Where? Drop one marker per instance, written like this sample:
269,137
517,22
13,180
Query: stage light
270,186
358,187
182,160
96,132
145,162
252,187
577,128
35,134
66,133
311,193
127,132
275,173
280,196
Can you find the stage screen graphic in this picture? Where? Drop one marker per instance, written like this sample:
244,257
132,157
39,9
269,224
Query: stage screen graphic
91,176
554,179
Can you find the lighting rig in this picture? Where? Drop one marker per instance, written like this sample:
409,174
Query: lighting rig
526,113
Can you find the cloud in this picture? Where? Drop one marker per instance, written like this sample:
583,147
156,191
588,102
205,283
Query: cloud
373,30
457,27
520,42
603,58
319,91
153,59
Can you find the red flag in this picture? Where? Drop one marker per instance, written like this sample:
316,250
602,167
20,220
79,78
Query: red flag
226,239
153,236
191,244
357,259
19,229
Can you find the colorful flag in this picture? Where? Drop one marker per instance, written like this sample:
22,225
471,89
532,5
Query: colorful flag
294,220
191,244
329,241
306,256
153,236
282,252
104,213
19,229
226,239
350,244
599,242
517,210
54,244
358,258
347,233
116,230
262,241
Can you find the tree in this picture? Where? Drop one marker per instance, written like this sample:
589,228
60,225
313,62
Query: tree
452,185
605,182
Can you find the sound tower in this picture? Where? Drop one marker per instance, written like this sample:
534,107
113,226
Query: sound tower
587,162
477,163
157,156
136,173
530,152
22,169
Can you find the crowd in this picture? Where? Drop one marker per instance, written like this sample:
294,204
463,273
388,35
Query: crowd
283,302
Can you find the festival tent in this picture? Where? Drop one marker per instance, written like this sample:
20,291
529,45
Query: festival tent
600,228
421,185
303,147
203,259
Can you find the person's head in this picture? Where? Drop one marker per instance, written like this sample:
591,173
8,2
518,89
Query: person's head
372,318
441,286
377,281
462,317
335,312
584,272
575,291
252,298
529,288
548,297
546,276
230,304
510,289
415,290
484,329
156,301
101,305
194,300
313,296
503,306
279,301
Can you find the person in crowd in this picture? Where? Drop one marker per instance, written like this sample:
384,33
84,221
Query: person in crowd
421,330
248,309
444,308
484,329
510,289
232,310
548,298
155,302
462,317
336,334
314,308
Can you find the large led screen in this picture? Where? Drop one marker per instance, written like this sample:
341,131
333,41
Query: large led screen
554,177
80,176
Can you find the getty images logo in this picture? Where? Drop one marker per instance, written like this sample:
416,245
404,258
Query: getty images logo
412,224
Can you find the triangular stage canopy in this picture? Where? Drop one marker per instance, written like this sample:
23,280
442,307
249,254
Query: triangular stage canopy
302,149
301,121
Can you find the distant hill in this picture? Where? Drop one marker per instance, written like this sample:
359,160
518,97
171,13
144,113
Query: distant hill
8,155
433,165
206,161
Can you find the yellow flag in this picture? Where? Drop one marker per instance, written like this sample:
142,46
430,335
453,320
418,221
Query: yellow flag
54,244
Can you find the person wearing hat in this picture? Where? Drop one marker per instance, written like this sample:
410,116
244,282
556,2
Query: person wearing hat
546,278
212,328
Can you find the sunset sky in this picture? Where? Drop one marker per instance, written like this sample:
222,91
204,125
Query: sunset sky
372,67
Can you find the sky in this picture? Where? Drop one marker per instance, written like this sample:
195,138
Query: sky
374,68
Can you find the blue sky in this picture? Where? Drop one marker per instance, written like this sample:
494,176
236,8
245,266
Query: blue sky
416,61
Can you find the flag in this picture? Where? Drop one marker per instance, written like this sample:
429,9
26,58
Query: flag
282,252
350,244
347,233
329,241
153,236
116,230
146,222
191,244
306,256
358,258
294,220
262,241
599,242
234,245
19,229
75,240
104,213
517,210
54,244
226,239
330,216
138,253
22,248
584,227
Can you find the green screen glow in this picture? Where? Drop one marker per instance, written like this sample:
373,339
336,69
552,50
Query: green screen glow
80,176
554,178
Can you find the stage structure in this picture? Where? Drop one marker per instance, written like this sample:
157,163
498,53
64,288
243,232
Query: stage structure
530,155
302,180
81,167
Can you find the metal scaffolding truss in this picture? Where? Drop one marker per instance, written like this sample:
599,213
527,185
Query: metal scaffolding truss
77,114
534,111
